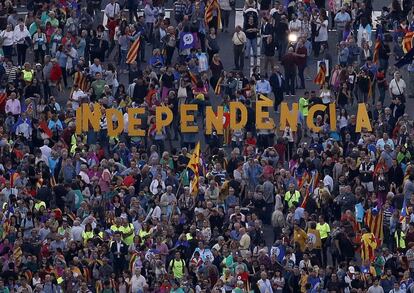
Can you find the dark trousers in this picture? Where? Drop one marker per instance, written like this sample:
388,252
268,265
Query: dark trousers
133,13
21,54
290,82
213,23
301,74
150,29
238,57
39,55
225,18
64,76
47,92
142,49
324,251
8,52
210,55
282,47
202,38
278,94
119,264
170,52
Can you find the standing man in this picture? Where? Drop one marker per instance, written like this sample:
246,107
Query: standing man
277,83
341,19
289,64
239,44
397,87
112,10
119,251
19,35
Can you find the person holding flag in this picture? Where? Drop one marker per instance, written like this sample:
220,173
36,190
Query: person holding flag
368,245
193,165
212,16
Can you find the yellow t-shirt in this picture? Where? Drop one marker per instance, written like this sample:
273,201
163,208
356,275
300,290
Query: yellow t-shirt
323,230
87,235
245,241
177,267
300,237
115,228
129,239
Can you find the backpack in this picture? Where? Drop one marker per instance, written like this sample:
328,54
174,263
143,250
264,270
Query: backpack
173,262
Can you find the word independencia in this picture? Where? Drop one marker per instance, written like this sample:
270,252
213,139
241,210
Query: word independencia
237,116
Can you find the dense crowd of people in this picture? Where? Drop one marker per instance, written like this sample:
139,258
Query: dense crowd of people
264,211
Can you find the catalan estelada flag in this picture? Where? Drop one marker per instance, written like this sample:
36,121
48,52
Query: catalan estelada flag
309,190
407,42
368,246
303,179
374,219
369,87
217,89
133,51
321,75
208,15
376,50
81,80
193,166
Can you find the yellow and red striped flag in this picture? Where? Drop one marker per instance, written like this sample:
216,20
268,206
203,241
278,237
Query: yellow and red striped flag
407,42
3,100
368,246
376,50
374,219
321,75
369,88
193,78
81,80
132,262
193,165
208,15
133,51
217,89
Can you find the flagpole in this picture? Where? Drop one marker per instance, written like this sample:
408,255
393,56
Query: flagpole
176,193
185,170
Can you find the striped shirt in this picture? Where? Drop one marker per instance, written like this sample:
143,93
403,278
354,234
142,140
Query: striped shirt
11,73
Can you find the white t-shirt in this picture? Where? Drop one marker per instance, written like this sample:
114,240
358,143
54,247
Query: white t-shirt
8,38
295,25
397,89
111,10
323,32
138,283
325,96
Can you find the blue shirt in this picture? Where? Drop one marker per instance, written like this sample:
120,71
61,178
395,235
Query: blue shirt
263,87
155,59
62,59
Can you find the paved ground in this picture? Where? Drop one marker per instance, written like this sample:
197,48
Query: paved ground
226,51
